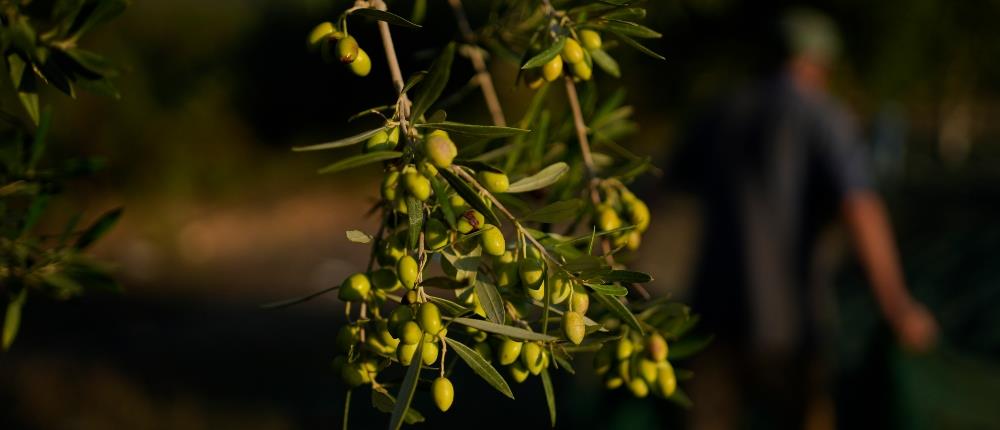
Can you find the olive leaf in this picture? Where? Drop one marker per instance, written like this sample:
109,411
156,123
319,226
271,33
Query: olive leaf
611,290
681,399
415,213
385,403
546,55
689,346
12,319
443,282
506,330
297,300
102,11
360,160
631,42
441,195
479,365
550,395
358,236
628,276
626,13
547,176
606,63
471,197
347,141
406,389
448,305
490,300
434,83
629,29
619,309
488,131
382,15
98,228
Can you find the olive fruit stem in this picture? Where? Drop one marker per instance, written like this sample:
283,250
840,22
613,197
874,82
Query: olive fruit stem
482,73
444,350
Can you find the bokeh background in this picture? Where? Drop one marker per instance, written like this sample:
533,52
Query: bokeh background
222,217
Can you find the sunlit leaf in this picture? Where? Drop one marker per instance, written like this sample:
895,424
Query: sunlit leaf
406,389
479,365
547,176
347,141
488,131
506,330
611,290
630,29
382,15
358,236
490,300
546,55
605,62
360,160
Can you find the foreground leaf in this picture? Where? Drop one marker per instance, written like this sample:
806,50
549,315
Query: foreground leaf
382,15
347,141
385,403
470,196
12,319
98,228
550,395
611,290
506,330
619,309
546,55
406,389
360,160
490,300
479,365
489,131
434,83
542,179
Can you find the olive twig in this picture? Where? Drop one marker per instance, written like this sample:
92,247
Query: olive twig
482,73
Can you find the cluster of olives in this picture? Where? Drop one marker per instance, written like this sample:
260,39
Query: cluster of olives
575,55
622,204
638,363
336,45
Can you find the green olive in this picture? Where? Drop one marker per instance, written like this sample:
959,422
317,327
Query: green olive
427,169
510,350
348,50
389,184
347,337
625,369
638,387
318,34
494,182
471,220
648,370
591,39
384,279
639,214
410,297
657,348
408,271
440,149
404,353
392,250
492,240
613,382
429,353
572,52
553,69
582,70
382,331
579,300
537,293
666,379
537,83
458,203
429,318
355,288
607,219
417,185
624,349
444,393
573,327
531,357
410,333
353,375
399,316
362,65
518,372
435,234
532,272
562,287
634,240
379,142
506,275
484,350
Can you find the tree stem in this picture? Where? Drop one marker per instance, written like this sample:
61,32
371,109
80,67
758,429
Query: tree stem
482,73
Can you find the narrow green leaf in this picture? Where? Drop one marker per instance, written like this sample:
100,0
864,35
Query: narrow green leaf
414,80
98,228
550,395
434,83
479,365
415,213
546,55
358,236
506,330
631,42
628,276
92,62
470,196
448,306
547,176
605,62
630,29
626,13
12,319
103,11
681,398
41,137
38,205
382,15
385,403
611,290
360,160
490,300
102,87
297,300
347,141
689,346
441,195
347,408
406,389
619,309
488,131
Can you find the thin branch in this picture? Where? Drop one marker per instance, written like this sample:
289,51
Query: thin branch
482,73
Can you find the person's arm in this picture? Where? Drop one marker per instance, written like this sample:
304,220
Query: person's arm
866,218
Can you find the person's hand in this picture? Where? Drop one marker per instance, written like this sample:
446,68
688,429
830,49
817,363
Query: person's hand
916,328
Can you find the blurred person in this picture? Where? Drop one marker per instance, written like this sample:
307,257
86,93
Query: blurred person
773,165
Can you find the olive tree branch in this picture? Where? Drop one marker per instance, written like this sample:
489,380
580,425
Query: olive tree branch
482,73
